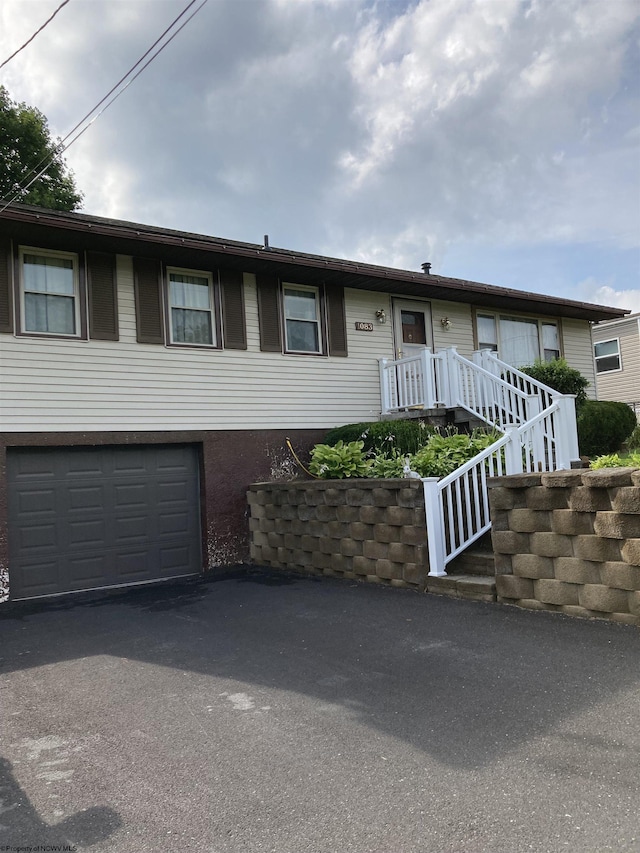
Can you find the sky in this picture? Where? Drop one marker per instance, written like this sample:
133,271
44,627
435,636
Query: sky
497,139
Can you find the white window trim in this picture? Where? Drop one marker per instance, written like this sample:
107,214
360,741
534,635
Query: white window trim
212,307
596,358
540,321
49,253
318,321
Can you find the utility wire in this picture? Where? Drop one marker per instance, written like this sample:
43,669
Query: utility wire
63,145
48,21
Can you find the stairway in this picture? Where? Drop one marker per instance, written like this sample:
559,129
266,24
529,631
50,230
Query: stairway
471,575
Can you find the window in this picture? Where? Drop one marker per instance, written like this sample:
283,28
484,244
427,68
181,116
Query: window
302,318
49,292
607,356
519,340
550,341
487,332
191,308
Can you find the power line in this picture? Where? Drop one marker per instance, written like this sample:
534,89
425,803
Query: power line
48,21
63,145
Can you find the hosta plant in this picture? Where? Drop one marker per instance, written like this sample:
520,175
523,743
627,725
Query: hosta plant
340,461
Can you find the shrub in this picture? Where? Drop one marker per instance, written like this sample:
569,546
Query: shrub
443,454
558,375
340,461
388,465
404,436
603,425
633,442
613,460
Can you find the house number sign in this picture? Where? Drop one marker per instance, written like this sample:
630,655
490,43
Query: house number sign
363,327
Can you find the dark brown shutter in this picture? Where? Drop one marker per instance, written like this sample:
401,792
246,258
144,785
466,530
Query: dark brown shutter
269,313
336,320
103,301
148,301
233,322
6,314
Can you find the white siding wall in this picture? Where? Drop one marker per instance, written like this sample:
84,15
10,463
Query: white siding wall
58,385
66,385
460,334
578,350
625,384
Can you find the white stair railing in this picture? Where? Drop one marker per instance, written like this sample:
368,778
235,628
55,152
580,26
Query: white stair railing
540,434
457,506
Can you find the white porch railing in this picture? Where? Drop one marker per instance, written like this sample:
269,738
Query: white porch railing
414,381
539,426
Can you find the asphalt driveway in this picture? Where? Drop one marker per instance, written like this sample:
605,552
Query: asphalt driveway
276,713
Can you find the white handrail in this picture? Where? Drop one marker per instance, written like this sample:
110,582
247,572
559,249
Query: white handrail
539,427
457,506
517,378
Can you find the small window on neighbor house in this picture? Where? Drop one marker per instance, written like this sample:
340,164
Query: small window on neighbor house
191,308
302,318
50,292
607,355
487,332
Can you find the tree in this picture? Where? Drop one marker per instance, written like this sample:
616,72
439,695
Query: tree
25,148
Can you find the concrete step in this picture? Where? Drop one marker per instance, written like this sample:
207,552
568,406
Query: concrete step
474,561
472,587
478,559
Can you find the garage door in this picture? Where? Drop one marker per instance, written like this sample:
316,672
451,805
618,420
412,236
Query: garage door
91,517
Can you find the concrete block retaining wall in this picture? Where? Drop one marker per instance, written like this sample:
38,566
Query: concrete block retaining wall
367,529
569,541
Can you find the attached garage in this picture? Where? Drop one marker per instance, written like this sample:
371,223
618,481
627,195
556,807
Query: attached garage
92,517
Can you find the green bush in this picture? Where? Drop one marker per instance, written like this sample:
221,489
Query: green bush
443,454
388,465
340,461
558,375
613,460
603,426
404,436
633,442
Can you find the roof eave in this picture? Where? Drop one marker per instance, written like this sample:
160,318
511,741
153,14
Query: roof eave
359,275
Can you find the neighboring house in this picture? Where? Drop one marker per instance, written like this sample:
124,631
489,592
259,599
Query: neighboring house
148,376
616,351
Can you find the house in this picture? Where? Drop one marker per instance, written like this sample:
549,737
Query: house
616,351
148,376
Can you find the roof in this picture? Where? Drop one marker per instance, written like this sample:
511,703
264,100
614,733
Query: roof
31,223
604,325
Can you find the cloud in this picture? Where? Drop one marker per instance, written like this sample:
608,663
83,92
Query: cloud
603,294
389,131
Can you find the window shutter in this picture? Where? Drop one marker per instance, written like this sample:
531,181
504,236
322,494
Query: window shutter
269,313
103,303
149,324
233,322
6,318
336,320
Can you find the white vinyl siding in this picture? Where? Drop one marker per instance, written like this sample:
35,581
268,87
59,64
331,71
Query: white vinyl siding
623,384
72,385
460,332
578,350
50,384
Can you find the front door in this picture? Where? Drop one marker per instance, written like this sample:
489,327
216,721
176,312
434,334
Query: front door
411,326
